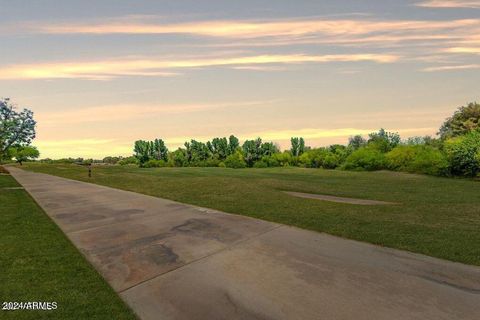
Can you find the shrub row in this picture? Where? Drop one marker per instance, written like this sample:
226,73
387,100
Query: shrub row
459,156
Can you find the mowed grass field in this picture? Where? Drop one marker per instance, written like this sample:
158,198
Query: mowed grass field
439,217
38,263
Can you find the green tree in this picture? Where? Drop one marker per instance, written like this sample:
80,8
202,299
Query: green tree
268,149
198,152
235,160
356,142
297,146
219,148
464,120
159,150
463,154
383,141
142,151
16,128
313,158
179,158
233,144
129,161
417,158
150,150
365,158
252,151
111,160
24,153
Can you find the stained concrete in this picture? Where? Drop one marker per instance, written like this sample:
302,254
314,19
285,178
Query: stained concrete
363,202
173,261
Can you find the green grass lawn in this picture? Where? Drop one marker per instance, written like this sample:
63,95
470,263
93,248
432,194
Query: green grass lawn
435,216
38,263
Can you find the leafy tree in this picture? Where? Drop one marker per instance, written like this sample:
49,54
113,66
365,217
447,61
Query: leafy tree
340,150
219,148
159,150
24,153
111,160
285,159
297,146
235,160
128,161
463,154
233,144
383,141
252,151
269,148
328,158
16,128
356,142
464,120
331,161
179,157
365,158
142,151
268,161
418,158
433,142
197,151
415,141
313,158
150,150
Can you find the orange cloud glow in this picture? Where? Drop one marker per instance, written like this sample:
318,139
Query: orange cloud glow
449,68
253,29
468,50
449,4
108,69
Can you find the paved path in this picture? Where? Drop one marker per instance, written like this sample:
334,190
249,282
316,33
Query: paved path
173,261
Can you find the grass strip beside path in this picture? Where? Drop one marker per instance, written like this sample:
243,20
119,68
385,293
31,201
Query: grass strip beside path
38,263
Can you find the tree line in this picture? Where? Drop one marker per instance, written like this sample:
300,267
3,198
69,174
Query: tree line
454,152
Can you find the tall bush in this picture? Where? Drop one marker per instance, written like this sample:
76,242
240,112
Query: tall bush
365,158
235,161
417,159
463,154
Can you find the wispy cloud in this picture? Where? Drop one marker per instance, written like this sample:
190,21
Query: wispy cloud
451,68
467,50
449,4
153,67
251,29
407,38
361,32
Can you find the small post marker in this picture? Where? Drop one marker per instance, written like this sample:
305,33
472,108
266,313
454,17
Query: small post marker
90,170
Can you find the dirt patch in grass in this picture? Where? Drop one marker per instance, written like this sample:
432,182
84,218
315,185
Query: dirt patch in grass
362,202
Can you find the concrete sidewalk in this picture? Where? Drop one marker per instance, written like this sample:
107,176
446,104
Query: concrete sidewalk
169,260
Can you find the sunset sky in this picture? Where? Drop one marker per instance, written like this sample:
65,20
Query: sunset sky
102,74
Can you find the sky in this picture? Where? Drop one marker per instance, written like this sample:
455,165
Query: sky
101,74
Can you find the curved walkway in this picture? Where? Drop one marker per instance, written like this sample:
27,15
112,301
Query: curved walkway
169,260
